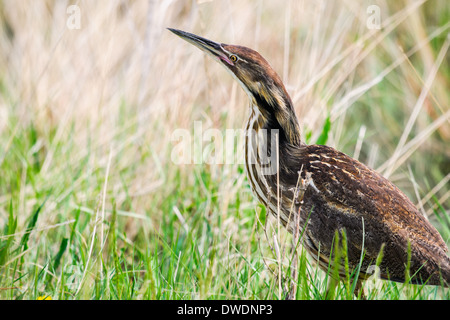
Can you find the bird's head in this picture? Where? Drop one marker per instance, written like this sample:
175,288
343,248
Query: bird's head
256,77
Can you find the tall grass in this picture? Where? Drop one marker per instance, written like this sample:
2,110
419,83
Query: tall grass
92,205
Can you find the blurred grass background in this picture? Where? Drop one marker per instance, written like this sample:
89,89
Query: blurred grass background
91,204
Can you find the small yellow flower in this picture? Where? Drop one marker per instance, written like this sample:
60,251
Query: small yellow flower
44,298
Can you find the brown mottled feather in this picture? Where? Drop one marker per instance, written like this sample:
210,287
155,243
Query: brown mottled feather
349,192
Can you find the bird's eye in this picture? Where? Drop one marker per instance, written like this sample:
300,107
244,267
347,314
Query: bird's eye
233,58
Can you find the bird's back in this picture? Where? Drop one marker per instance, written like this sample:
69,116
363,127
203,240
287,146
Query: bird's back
344,194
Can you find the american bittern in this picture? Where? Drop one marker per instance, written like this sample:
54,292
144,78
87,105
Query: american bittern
340,194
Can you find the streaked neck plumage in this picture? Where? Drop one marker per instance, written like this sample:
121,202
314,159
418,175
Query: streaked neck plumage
276,112
266,91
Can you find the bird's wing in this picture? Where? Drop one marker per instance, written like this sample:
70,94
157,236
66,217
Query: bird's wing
345,194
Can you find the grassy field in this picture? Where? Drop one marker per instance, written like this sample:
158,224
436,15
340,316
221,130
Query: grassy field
93,204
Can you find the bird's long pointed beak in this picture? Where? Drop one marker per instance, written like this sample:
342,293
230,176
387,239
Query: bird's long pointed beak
212,48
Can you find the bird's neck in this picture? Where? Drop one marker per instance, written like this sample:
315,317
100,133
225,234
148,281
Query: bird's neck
276,111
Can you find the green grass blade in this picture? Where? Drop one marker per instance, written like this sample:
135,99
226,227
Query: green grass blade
9,230
62,249
31,226
323,138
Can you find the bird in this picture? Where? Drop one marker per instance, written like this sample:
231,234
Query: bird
323,192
